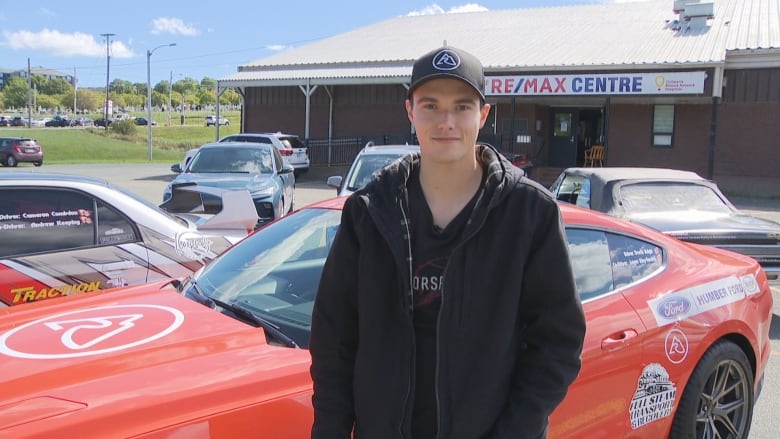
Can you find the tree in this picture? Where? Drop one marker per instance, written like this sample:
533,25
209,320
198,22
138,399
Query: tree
120,86
55,86
206,97
51,102
208,83
15,92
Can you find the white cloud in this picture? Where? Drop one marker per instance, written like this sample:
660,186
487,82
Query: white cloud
55,42
174,26
436,9
277,47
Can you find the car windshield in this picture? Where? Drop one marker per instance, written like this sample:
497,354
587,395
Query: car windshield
233,160
673,196
365,166
276,271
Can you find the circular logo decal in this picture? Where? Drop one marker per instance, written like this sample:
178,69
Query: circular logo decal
676,346
90,331
446,60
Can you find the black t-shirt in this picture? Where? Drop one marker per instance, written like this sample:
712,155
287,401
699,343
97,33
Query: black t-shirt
431,248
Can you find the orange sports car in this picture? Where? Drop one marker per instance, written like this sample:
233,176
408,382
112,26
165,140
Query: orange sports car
677,342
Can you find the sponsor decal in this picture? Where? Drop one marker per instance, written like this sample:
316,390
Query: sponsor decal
693,301
30,294
751,284
654,397
676,346
193,246
91,331
574,84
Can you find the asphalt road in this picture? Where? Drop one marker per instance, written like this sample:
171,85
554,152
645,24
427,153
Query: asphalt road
149,180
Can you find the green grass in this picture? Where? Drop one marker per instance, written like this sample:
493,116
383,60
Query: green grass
94,145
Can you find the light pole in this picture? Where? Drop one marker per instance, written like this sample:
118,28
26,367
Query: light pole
149,96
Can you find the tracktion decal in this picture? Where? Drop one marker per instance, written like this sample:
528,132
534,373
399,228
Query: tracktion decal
30,294
687,303
654,396
194,246
91,331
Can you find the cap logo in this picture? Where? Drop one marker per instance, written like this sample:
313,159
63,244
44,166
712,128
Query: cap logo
446,60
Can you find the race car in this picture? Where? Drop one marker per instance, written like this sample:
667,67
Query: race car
676,345
67,235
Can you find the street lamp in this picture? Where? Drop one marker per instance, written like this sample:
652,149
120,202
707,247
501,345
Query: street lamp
149,96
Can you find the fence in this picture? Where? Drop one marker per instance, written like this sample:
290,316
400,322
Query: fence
342,151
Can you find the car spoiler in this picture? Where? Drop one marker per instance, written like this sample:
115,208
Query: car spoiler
231,209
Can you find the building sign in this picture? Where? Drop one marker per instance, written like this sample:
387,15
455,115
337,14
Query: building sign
669,83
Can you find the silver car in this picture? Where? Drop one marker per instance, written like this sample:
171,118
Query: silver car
369,160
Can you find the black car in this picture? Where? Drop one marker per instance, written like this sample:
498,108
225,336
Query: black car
143,121
59,121
679,203
102,122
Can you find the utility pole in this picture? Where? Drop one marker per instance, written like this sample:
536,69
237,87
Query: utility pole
170,91
108,64
75,91
29,94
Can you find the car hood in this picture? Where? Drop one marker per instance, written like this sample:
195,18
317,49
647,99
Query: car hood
682,224
226,180
79,364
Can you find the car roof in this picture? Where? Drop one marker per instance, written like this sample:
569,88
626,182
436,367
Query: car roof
634,173
235,145
276,134
389,149
53,177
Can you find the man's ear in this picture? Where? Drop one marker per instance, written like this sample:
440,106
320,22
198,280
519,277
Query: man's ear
409,106
483,114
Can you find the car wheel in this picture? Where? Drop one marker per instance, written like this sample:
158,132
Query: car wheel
38,163
11,161
718,400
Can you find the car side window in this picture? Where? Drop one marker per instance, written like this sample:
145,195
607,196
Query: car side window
632,259
583,198
113,227
45,219
567,188
603,261
591,263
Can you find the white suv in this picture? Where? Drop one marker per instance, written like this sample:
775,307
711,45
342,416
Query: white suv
293,151
369,160
212,120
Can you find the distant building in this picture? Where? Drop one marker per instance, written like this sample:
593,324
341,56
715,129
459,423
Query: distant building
6,74
668,83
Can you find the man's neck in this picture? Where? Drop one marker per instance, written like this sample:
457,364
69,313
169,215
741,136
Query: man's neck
448,189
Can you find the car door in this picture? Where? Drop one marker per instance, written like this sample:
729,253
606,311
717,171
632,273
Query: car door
59,241
598,404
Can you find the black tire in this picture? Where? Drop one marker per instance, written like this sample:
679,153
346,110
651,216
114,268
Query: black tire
38,163
718,400
10,161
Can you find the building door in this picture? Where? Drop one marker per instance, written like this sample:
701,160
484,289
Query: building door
563,141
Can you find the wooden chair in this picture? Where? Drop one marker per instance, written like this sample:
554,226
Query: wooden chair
595,155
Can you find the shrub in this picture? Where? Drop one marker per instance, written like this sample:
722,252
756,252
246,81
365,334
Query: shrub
124,127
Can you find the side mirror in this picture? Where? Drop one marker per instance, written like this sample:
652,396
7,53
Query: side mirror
334,181
176,167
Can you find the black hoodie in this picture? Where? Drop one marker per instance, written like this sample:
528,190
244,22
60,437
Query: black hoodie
511,325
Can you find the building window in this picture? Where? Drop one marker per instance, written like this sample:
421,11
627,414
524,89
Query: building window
663,125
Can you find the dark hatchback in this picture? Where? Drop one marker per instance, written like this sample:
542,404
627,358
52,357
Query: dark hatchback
679,203
14,150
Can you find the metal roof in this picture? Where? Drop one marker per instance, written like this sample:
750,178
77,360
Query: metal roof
643,35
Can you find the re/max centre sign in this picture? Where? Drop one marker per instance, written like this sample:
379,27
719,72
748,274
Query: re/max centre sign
596,84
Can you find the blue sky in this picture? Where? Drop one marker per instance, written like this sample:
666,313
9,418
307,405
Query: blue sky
212,38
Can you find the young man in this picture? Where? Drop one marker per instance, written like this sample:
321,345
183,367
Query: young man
447,306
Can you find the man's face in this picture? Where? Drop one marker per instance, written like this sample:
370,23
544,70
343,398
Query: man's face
447,115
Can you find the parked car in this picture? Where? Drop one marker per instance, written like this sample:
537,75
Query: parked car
290,146
18,121
14,150
58,121
674,329
102,122
64,235
258,168
369,160
5,121
143,121
82,122
679,203
211,120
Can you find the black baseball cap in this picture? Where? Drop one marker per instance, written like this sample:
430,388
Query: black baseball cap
449,62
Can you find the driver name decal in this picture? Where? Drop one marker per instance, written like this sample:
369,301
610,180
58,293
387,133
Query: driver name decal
91,331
